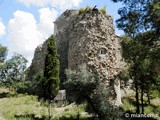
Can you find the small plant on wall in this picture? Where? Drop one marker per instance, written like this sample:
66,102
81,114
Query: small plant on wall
103,10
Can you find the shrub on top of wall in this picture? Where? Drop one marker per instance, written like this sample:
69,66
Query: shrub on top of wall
103,10
87,9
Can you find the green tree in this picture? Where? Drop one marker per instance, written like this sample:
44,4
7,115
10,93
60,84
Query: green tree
152,18
12,72
80,84
137,19
33,86
83,85
140,59
3,53
51,79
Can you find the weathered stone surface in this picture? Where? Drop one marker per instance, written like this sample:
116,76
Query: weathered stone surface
89,38
62,29
93,42
38,62
61,96
86,38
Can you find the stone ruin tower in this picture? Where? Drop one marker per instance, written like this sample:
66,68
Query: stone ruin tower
87,38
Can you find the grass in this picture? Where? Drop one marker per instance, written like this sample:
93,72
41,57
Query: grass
27,107
128,105
153,108
70,112
22,106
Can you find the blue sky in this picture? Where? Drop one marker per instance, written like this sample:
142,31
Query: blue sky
24,24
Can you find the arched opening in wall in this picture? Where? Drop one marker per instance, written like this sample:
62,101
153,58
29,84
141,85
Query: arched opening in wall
103,65
103,51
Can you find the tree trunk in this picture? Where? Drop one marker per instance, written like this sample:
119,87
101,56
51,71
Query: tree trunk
142,94
49,109
148,97
137,97
117,90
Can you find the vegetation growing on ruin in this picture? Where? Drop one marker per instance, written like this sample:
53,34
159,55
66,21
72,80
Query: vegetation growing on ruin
83,85
88,9
81,10
103,10
84,10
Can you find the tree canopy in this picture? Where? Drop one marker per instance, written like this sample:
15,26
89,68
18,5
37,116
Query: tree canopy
51,72
3,53
84,85
12,71
50,81
140,21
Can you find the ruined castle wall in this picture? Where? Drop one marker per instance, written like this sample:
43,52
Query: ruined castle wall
38,62
64,21
90,38
62,29
85,38
93,41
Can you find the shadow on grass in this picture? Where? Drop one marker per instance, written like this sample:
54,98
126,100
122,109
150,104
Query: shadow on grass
7,95
73,118
4,94
30,117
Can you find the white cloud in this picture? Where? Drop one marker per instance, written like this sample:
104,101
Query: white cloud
45,25
61,4
25,34
2,29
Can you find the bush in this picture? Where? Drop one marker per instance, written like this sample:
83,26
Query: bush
103,10
82,85
81,10
33,86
